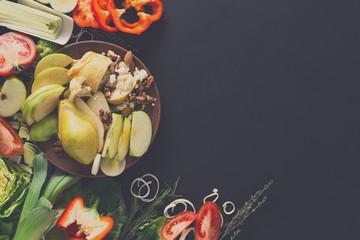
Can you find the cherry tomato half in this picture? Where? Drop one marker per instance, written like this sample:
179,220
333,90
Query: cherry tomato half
10,142
208,222
177,224
16,49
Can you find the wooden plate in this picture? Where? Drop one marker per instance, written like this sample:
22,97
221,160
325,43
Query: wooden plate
76,51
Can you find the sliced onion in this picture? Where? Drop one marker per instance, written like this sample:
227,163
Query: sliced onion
215,193
225,205
147,185
96,165
174,203
185,233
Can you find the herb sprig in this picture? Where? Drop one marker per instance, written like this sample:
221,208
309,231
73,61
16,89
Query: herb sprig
140,213
233,227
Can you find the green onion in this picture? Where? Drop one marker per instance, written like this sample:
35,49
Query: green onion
29,20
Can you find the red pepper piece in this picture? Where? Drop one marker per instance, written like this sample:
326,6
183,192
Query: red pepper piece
10,142
145,19
102,15
80,222
76,238
83,15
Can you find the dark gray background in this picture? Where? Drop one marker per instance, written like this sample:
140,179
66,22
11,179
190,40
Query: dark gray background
259,90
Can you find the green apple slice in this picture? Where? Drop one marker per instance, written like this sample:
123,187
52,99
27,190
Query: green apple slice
37,93
12,96
141,132
46,103
112,167
52,60
53,75
124,141
113,136
45,129
96,119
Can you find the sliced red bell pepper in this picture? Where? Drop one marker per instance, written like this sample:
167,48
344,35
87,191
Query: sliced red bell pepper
10,142
84,223
145,19
83,15
102,15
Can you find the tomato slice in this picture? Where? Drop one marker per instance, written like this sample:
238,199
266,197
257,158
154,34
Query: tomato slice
208,222
10,142
177,224
15,49
83,14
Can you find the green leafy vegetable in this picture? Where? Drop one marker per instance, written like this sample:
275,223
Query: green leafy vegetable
152,230
14,182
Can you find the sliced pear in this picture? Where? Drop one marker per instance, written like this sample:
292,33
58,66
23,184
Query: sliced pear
53,75
141,133
52,60
113,136
125,84
97,102
124,142
96,119
45,129
77,133
46,103
12,96
112,167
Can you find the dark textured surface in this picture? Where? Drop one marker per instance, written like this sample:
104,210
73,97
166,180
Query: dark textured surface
254,90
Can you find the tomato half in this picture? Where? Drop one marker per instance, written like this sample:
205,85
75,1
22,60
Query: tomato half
10,142
208,222
16,49
177,224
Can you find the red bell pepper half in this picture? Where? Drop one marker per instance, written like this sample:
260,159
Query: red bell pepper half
84,223
10,142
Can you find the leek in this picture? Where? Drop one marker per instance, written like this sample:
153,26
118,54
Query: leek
29,20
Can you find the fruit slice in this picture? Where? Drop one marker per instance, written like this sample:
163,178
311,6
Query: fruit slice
98,102
12,96
141,132
125,84
77,133
113,136
112,167
37,93
124,141
45,129
52,60
29,153
95,118
46,103
53,75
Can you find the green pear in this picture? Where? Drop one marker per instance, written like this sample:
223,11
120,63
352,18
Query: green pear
113,136
52,60
45,129
98,102
77,133
141,133
124,142
53,75
12,96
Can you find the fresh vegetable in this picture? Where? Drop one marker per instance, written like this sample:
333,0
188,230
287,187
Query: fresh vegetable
83,222
208,222
17,50
45,47
12,96
145,19
174,227
10,142
30,153
30,21
83,15
14,182
63,6
102,15
152,230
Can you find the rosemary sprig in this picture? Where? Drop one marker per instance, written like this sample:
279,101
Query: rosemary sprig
140,214
242,214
